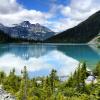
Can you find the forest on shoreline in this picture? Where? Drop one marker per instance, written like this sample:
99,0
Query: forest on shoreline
51,87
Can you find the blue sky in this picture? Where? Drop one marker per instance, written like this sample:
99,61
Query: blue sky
42,5
58,15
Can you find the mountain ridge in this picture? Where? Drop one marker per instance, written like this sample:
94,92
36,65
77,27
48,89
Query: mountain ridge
26,30
82,33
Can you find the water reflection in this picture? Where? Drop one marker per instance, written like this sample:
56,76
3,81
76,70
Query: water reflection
88,53
40,59
26,51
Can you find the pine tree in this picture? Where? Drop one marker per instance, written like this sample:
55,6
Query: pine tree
97,70
83,75
25,79
2,77
53,79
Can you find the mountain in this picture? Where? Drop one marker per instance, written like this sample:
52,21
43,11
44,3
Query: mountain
28,31
82,33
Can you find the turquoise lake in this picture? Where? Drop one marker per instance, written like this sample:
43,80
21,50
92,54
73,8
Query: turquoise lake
40,59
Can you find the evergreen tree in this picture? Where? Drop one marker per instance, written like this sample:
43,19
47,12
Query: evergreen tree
2,77
25,79
50,88
97,70
12,82
83,76
53,78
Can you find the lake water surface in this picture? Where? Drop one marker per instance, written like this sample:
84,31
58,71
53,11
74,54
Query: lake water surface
40,59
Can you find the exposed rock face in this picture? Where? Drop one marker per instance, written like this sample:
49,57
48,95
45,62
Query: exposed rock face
95,40
26,30
5,95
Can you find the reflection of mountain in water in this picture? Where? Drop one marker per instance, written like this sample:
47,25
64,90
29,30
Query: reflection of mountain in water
26,51
81,53
78,52
95,48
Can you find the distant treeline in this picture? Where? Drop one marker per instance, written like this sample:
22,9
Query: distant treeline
5,38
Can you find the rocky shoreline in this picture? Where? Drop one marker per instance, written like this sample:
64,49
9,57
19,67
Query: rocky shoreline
4,95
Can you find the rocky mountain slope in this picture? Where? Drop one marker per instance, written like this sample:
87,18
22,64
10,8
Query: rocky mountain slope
26,30
95,40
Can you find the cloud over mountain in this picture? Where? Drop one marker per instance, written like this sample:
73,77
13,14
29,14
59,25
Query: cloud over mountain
13,13
59,17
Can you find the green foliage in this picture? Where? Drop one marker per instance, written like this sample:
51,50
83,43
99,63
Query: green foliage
97,70
77,80
2,77
50,87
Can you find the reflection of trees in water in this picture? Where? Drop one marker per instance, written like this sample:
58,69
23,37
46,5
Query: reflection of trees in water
80,52
26,51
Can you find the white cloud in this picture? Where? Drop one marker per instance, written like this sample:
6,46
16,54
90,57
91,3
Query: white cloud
82,5
65,10
65,64
9,6
77,11
63,24
53,60
33,64
32,15
13,13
